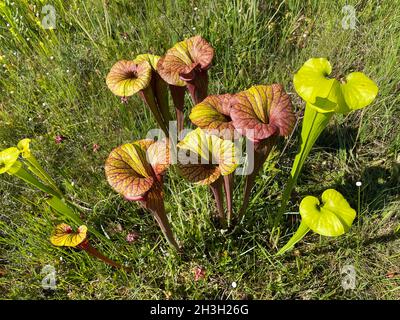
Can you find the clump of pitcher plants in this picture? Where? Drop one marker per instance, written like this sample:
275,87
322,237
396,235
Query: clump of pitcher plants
208,155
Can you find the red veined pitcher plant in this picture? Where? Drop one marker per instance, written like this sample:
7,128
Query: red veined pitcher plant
213,116
186,65
324,97
140,75
64,236
262,114
204,159
135,170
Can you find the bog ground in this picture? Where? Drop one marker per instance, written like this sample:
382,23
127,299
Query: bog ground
52,83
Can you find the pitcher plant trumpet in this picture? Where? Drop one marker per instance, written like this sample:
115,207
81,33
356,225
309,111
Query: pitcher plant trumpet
64,236
213,116
140,75
135,170
262,114
186,65
210,158
332,218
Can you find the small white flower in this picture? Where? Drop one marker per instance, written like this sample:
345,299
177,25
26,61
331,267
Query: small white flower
61,259
44,104
51,58
195,8
8,24
27,39
358,183
67,70
193,28
30,119
234,284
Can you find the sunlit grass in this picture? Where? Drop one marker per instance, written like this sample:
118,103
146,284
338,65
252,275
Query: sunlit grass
52,82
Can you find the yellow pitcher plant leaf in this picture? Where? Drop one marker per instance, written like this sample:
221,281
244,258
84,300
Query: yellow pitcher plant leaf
358,90
64,236
150,58
8,159
23,146
332,218
127,77
210,157
128,171
158,155
213,115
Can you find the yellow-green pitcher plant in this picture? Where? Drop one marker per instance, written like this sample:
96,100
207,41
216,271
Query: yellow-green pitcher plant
21,163
34,166
331,218
11,164
324,97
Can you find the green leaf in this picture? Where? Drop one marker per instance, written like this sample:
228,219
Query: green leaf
300,233
64,210
23,146
8,158
313,124
333,218
358,91
312,84
328,95
20,172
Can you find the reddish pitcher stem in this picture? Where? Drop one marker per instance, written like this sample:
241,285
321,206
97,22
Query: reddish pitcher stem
149,99
228,186
163,222
178,97
216,188
198,87
261,152
95,253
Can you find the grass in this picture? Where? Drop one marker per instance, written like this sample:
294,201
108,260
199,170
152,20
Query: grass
52,82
